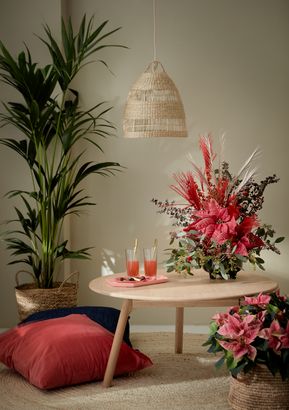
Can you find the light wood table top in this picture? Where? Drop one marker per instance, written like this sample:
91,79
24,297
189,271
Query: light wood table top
179,292
195,288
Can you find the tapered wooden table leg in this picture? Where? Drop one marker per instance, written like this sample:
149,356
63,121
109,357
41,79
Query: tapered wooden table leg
116,344
179,330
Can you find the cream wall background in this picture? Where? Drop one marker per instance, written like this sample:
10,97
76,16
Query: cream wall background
230,62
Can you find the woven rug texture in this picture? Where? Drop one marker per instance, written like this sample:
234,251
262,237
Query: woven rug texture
187,381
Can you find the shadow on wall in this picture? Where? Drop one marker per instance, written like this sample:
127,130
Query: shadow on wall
109,262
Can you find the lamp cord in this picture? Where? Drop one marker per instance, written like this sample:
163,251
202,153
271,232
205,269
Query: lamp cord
154,15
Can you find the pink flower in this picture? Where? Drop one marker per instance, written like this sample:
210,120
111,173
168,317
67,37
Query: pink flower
239,326
241,332
285,338
222,318
260,300
239,349
283,298
273,334
215,222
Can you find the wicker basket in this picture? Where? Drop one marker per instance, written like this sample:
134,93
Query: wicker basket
154,107
259,390
31,299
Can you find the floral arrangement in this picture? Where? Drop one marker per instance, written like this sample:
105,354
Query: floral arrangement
257,332
220,225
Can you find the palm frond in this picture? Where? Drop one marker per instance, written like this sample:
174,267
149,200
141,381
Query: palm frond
208,155
248,163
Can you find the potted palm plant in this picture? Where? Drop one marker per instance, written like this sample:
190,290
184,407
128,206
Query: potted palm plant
50,126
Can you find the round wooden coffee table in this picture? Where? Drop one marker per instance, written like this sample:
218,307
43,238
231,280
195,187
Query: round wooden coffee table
178,292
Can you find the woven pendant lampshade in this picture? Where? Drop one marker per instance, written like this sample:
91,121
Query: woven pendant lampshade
154,107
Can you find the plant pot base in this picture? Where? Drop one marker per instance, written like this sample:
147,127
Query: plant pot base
31,299
259,390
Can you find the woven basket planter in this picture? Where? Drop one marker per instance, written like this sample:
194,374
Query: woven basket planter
259,390
31,299
154,107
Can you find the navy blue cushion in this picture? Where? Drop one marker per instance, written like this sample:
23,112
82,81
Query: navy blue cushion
105,316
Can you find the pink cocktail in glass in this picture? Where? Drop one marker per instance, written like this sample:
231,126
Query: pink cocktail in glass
150,268
132,267
132,262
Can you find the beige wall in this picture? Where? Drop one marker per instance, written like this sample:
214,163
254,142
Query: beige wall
230,62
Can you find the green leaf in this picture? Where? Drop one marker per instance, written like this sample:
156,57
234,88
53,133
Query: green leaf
238,369
241,257
220,362
280,239
223,272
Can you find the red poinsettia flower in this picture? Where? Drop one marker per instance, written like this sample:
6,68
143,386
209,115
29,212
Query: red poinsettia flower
255,241
245,239
215,222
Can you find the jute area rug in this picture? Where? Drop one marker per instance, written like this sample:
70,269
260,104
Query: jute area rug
175,382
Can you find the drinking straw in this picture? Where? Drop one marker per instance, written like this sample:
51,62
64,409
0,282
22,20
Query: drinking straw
135,247
155,248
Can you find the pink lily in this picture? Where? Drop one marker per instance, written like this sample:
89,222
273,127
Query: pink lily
273,334
242,332
237,326
285,338
260,300
239,349
222,318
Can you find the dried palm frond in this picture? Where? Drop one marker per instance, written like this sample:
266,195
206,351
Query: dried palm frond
187,188
247,165
246,178
208,155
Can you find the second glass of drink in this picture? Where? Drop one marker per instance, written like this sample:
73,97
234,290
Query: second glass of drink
150,262
132,262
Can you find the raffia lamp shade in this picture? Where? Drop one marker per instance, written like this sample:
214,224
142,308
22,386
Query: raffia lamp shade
154,107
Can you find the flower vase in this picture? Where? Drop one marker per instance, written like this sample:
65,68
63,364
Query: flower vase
215,272
259,390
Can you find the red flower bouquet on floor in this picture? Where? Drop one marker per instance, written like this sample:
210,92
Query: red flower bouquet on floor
220,225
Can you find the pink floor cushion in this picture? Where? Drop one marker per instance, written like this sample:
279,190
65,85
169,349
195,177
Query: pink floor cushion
64,351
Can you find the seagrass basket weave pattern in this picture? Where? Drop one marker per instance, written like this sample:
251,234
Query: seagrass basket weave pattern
31,299
154,107
259,390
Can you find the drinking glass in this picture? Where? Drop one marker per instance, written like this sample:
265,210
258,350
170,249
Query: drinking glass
150,262
132,262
